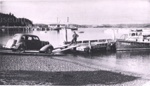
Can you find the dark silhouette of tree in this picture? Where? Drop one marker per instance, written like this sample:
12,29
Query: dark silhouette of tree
11,20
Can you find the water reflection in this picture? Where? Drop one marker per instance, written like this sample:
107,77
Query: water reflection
135,61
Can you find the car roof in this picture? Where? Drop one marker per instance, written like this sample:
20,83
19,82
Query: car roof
25,34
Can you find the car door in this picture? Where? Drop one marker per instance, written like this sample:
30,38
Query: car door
29,43
36,42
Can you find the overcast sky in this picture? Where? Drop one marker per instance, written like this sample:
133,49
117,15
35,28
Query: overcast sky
80,11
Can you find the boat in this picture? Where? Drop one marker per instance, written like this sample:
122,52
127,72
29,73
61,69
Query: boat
57,27
72,28
135,40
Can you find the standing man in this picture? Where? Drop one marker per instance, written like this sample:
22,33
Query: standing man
74,36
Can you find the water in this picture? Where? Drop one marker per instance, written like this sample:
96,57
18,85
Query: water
135,62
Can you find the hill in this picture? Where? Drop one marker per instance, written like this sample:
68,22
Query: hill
11,20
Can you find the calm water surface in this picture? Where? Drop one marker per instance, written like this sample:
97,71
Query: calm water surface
135,62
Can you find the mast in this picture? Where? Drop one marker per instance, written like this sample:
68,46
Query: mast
1,6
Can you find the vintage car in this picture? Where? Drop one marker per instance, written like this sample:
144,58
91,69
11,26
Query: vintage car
23,42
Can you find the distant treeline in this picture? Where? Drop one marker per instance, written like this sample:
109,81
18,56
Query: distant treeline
123,26
11,20
112,26
99,26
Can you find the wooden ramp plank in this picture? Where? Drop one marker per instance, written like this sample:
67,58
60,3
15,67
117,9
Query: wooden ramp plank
67,48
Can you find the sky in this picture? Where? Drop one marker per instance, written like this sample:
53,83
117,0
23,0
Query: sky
80,11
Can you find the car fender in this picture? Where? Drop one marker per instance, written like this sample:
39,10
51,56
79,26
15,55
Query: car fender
9,44
44,48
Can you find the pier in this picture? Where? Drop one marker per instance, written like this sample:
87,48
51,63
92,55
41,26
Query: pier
94,45
11,29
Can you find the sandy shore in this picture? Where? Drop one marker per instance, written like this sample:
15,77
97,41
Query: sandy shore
58,72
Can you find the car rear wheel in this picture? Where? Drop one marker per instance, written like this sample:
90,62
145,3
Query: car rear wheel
21,50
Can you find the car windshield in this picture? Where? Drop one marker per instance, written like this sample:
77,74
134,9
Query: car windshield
35,38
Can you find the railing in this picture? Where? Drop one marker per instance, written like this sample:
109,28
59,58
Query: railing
93,41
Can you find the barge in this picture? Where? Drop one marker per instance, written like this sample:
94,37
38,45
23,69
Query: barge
135,40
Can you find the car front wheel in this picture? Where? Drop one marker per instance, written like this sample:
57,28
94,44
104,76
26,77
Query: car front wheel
49,50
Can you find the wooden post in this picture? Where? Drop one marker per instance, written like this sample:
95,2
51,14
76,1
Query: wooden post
66,35
90,47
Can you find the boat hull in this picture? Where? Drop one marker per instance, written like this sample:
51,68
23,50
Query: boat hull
131,45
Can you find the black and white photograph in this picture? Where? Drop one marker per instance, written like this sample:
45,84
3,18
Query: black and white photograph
75,42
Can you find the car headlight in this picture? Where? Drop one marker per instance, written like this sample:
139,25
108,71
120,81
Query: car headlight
3,46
